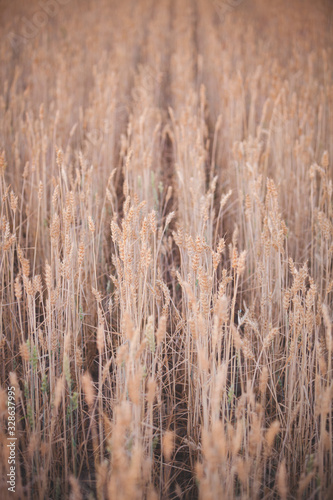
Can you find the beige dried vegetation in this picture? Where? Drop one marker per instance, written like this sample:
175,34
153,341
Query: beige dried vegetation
166,248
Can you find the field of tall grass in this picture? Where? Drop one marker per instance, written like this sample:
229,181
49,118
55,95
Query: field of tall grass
166,249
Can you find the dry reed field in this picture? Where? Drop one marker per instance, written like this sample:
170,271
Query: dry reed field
166,249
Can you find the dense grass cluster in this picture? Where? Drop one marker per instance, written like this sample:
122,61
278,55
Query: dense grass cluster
166,248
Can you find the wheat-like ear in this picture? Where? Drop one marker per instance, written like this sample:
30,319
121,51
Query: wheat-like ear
88,388
328,327
168,444
75,489
271,434
282,481
166,249
58,393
